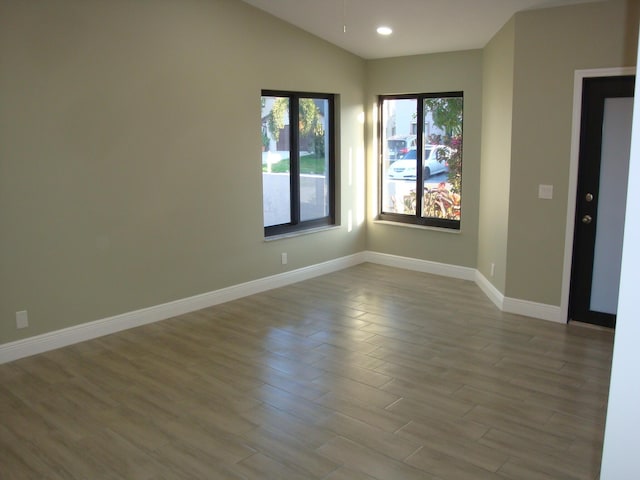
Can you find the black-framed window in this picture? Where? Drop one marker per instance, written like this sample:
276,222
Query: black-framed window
421,158
298,161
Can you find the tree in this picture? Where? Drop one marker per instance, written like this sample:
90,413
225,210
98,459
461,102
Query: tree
447,115
309,121
311,126
275,122
310,118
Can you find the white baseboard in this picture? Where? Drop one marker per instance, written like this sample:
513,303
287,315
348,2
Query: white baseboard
533,309
425,266
87,331
514,305
98,328
489,290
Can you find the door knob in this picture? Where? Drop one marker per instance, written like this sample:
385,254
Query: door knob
587,219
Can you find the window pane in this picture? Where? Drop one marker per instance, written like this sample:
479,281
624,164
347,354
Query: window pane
298,161
399,156
276,165
442,171
314,151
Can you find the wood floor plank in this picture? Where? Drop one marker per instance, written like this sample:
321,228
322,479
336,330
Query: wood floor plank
378,397
361,459
184,461
260,466
209,440
386,443
344,473
290,452
416,401
292,404
368,373
542,468
268,417
25,459
464,449
448,466
140,431
527,449
360,409
116,454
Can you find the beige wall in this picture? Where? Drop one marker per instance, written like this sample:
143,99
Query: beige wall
497,115
549,46
130,165
446,72
518,104
130,171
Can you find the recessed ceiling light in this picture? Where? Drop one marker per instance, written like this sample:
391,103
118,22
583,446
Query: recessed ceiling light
384,30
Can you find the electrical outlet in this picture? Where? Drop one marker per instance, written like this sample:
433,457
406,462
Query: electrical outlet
284,258
493,269
22,319
545,192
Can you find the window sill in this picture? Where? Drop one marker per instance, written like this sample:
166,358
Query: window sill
300,233
419,227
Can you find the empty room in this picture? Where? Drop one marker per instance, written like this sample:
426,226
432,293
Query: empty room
304,239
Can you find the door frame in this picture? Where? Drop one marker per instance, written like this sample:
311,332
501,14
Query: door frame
578,78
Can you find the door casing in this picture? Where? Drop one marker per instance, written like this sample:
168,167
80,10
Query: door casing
579,76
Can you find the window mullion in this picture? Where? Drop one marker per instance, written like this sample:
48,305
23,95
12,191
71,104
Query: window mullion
294,122
419,155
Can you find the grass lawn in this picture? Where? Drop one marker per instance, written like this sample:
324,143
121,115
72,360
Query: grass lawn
308,164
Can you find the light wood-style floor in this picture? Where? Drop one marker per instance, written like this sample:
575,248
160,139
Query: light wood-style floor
368,373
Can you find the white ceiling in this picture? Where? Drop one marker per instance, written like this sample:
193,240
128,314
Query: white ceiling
419,26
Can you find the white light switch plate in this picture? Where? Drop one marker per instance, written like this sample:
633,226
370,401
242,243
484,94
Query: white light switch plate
545,192
22,319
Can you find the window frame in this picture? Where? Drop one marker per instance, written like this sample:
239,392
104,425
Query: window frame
296,224
417,218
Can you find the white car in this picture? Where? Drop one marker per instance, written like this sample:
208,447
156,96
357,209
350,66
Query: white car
435,161
400,145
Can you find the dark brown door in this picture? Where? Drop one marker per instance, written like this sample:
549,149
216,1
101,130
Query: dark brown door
605,138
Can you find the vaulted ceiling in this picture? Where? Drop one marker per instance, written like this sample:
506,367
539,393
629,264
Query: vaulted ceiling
419,26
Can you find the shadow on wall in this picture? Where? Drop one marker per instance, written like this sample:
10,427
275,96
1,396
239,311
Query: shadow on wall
631,33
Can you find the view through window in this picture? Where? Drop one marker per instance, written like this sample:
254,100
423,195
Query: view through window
297,161
421,147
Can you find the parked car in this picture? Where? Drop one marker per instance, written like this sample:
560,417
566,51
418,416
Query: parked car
435,161
399,145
